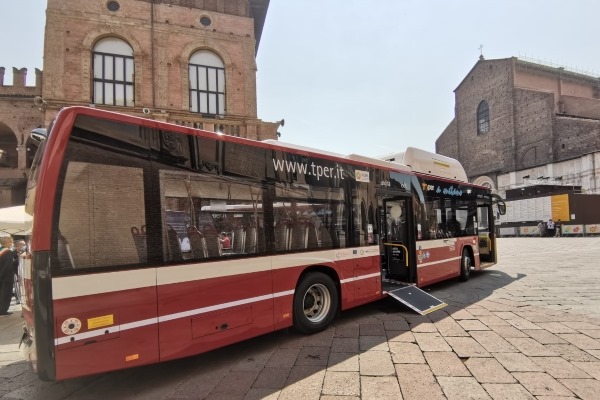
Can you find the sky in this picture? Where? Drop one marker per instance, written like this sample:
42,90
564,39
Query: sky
371,77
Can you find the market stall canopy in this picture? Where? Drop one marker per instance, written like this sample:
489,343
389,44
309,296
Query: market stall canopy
15,221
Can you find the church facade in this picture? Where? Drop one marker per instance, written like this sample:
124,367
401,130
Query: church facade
518,122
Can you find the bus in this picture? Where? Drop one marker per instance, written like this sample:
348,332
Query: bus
126,268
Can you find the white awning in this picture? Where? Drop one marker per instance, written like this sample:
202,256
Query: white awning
15,221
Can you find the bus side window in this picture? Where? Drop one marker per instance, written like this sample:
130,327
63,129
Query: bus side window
173,246
197,243
139,238
99,203
282,235
200,207
298,236
211,236
313,237
251,242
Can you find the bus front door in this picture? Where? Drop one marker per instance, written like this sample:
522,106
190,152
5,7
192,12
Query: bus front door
487,250
400,261
396,240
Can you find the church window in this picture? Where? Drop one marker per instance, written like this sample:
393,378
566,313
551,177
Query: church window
207,83
483,118
113,72
205,21
113,6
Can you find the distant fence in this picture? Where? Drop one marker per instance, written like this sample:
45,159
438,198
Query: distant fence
567,230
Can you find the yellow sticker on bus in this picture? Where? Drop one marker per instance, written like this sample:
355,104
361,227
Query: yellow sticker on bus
98,322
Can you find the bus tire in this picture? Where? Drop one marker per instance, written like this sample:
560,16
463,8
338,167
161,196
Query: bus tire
465,265
315,303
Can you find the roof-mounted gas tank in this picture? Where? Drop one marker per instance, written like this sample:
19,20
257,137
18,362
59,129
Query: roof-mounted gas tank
429,163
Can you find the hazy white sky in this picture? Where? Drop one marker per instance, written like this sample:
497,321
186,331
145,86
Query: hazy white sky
371,77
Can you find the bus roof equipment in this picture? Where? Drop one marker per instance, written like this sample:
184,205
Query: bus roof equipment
425,162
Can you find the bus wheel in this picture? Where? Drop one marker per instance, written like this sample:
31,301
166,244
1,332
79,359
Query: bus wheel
465,266
315,303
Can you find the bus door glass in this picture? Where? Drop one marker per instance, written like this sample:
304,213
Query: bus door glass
484,217
396,239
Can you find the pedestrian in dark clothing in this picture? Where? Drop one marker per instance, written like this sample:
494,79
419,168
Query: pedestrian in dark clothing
8,262
20,252
558,227
550,226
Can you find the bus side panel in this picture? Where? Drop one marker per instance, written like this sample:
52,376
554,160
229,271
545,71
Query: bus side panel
286,278
472,243
437,260
367,271
203,314
106,331
436,263
357,270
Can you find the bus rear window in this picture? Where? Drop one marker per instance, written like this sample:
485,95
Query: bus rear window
101,200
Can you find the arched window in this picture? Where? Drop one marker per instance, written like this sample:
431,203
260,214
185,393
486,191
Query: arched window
483,118
113,72
207,83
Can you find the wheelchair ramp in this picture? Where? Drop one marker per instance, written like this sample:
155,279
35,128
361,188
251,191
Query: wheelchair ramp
417,299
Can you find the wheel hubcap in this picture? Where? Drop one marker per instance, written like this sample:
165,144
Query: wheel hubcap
317,303
467,264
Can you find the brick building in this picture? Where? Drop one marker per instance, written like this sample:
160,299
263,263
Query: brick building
18,116
188,62
516,120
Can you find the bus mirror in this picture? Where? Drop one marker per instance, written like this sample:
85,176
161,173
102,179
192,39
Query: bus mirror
500,203
501,208
38,134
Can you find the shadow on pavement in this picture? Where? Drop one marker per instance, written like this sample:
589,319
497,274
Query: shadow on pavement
263,366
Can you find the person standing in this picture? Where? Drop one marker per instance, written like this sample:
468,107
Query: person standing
558,228
541,228
7,273
21,250
550,227
225,241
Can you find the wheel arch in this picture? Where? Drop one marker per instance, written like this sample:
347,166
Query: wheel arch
329,271
469,248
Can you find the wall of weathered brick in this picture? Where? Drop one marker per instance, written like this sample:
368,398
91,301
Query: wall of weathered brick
72,29
575,137
74,26
448,141
580,106
556,80
492,151
18,116
533,116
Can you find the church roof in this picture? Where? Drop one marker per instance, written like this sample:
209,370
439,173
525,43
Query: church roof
535,67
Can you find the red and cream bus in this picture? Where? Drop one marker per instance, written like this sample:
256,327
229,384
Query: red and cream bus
126,268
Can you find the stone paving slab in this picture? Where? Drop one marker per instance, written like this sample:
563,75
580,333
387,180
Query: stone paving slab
489,370
380,387
417,382
461,388
529,328
493,342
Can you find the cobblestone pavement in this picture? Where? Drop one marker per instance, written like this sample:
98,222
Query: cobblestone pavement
527,329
